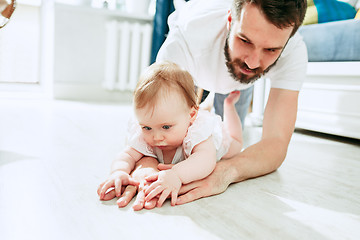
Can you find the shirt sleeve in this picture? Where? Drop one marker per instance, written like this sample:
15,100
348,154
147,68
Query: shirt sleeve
290,69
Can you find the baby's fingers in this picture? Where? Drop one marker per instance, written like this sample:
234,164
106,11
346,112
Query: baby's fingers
163,197
151,187
118,185
106,187
153,193
99,188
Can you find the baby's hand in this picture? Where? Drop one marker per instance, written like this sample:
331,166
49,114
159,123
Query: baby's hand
116,180
167,184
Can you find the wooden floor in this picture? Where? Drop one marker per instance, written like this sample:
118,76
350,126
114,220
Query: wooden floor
54,154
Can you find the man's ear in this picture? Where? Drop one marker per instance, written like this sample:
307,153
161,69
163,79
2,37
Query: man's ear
229,19
193,114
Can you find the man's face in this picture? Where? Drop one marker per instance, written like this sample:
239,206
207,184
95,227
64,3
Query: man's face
253,44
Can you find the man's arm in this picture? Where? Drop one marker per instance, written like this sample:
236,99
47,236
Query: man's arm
278,125
258,159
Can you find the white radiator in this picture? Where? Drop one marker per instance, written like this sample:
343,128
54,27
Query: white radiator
128,47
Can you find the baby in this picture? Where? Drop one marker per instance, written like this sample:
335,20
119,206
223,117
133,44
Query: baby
171,128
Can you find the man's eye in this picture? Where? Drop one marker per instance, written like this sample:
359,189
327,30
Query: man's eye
244,40
147,128
166,127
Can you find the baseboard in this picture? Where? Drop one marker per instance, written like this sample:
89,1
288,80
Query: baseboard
89,92
346,126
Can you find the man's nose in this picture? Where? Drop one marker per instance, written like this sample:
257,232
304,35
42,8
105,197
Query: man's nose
253,59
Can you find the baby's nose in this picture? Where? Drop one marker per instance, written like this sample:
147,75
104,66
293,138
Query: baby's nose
158,137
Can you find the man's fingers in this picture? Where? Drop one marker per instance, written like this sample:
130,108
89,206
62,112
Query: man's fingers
127,195
152,178
162,166
188,187
139,201
190,196
173,198
110,195
151,204
132,181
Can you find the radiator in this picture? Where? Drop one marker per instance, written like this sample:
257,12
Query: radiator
128,46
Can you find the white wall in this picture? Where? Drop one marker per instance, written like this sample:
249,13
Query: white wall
26,51
79,52
20,46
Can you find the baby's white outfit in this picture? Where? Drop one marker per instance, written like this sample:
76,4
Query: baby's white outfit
205,125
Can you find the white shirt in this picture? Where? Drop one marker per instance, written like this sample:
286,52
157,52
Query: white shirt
196,43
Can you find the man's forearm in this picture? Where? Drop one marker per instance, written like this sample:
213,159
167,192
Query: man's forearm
278,125
259,159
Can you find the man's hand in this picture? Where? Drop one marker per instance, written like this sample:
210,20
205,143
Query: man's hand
140,203
216,183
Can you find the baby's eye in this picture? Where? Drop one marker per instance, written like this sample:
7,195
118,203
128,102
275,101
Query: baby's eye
147,128
166,127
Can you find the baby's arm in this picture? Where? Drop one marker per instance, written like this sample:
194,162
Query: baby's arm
199,165
120,170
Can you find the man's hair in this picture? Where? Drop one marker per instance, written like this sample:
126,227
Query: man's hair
157,81
281,13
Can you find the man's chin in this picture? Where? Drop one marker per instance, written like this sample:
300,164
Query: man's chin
247,79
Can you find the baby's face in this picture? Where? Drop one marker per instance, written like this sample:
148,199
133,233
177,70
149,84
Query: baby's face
165,126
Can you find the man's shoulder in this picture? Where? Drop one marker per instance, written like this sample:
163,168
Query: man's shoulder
294,53
195,16
290,69
294,43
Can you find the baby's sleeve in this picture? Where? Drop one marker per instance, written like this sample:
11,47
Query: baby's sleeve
207,124
199,131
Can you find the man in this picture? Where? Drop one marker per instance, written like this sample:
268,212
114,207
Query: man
229,50
7,8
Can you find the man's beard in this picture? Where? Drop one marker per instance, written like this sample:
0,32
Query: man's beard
240,77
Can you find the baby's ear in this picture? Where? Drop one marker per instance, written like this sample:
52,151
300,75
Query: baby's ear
193,114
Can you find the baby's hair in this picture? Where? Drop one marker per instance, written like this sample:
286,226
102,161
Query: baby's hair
158,79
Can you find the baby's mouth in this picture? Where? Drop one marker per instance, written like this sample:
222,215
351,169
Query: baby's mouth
161,146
